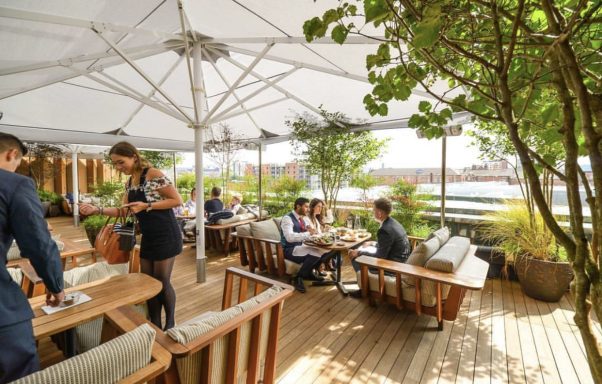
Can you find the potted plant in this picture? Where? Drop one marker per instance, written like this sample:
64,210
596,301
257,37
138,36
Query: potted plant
45,200
540,263
93,225
56,201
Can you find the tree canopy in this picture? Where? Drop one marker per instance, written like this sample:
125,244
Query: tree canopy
533,67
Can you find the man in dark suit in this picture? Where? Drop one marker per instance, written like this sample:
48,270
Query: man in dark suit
392,240
21,217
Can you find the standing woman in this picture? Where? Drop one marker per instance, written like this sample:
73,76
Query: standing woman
151,196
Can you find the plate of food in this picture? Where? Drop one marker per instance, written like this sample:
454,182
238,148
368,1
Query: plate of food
349,238
324,239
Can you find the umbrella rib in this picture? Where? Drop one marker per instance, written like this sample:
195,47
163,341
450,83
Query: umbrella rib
246,71
242,105
271,83
144,75
248,97
152,92
187,51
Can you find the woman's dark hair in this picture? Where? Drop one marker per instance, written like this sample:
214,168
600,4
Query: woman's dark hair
125,149
312,205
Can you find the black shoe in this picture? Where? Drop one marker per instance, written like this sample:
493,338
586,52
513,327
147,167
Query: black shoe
356,294
333,275
299,286
314,277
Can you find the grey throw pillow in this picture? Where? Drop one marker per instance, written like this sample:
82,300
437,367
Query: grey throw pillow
423,252
266,229
450,256
442,234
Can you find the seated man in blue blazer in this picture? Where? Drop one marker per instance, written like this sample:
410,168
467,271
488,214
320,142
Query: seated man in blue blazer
392,240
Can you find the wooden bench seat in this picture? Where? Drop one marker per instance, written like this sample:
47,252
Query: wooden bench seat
471,274
252,333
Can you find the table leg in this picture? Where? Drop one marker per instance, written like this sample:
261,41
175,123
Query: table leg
226,241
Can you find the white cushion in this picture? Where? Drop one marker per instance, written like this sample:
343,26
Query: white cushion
266,229
449,257
106,364
16,274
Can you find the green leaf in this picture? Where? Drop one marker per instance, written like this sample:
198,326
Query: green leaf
426,32
549,113
375,10
424,106
339,34
313,28
383,109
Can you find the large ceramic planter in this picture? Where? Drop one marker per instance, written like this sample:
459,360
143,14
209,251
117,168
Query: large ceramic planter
543,280
54,210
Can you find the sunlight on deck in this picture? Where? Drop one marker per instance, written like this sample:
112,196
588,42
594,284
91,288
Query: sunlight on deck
500,334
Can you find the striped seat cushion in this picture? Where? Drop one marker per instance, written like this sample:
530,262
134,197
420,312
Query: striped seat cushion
108,363
189,368
16,274
88,334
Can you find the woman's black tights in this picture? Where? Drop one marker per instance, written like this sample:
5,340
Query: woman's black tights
161,270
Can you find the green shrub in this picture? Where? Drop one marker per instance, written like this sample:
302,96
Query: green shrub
110,193
95,222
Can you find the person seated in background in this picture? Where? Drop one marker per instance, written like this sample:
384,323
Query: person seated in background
190,204
392,240
235,203
214,204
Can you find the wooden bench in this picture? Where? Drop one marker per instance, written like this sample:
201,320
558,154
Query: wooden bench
213,235
68,371
248,285
258,254
471,274
32,285
72,250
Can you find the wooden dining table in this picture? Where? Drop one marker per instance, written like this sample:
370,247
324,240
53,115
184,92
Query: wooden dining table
106,294
339,246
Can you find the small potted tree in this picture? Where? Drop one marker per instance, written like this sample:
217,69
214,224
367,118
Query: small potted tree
56,201
45,198
540,263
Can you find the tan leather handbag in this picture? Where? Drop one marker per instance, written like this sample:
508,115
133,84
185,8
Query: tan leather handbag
107,242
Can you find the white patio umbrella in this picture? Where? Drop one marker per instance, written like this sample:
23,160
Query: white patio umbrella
161,74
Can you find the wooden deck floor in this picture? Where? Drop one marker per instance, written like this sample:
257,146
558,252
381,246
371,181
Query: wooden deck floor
500,335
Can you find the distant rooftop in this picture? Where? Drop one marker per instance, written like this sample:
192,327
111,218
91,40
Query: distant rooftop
411,171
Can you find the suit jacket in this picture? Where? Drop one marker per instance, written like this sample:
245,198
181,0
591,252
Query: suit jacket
392,242
21,217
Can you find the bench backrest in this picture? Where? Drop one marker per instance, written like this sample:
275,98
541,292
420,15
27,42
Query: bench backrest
238,343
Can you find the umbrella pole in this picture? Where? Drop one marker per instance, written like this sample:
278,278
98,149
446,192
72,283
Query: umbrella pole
260,197
201,103
75,181
443,169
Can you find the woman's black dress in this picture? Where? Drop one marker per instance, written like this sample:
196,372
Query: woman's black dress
161,235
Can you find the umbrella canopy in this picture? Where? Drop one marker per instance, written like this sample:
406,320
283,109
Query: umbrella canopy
164,74
85,73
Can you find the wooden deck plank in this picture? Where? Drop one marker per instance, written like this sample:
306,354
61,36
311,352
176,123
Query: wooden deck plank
366,369
547,362
326,337
469,344
514,357
451,361
499,361
565,367
565,329
482,371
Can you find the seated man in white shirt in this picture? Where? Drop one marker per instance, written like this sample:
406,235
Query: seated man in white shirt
296,228
235,203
